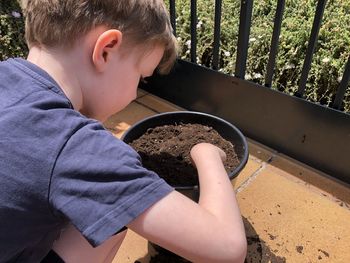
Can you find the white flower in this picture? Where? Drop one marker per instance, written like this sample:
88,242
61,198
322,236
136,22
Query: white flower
178,39
227,53
339,79
248,76
188,43
199,24
325,60
257,75
289,66
16,14
252,39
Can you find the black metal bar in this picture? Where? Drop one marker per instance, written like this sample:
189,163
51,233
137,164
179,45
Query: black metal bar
243,37
173,15
342,87
217,29
311,47
274,43
194,31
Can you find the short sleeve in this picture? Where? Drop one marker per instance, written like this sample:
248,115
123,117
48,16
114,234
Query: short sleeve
98,183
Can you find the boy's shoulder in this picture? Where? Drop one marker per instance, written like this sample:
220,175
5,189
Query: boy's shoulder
36,116
20,79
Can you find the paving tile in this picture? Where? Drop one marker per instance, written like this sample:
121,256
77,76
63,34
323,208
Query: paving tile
134,248
157,104
316,180
141,93
285,222
121,121
249,170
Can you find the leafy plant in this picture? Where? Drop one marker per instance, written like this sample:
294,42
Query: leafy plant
329,60
12,43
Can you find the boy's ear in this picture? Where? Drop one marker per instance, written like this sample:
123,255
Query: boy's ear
106,44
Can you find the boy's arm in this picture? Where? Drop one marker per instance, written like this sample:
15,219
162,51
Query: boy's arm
210,231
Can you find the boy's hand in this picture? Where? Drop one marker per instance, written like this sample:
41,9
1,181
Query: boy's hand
203,151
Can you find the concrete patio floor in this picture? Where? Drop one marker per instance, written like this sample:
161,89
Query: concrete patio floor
292,213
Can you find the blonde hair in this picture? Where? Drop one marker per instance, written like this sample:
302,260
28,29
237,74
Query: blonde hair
53,23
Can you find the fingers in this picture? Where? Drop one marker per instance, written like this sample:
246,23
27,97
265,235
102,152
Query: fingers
222,154
205,150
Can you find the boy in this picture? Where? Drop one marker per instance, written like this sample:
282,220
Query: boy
63,176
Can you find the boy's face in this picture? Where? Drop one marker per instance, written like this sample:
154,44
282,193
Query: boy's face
119,85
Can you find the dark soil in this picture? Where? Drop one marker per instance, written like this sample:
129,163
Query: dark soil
166,151
299,249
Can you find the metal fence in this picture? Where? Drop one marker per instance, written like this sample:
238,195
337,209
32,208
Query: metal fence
243,43
314,134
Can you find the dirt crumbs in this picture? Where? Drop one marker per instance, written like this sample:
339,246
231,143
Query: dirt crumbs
299,249
166,150
258,252
324,252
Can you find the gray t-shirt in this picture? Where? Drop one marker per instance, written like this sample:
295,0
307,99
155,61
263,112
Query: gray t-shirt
57,166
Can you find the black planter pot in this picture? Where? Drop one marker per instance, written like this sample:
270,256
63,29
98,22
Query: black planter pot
224,128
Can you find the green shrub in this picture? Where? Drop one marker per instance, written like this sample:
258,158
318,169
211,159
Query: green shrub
331,54
12,41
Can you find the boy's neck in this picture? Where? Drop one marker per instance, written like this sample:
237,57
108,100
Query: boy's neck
64,67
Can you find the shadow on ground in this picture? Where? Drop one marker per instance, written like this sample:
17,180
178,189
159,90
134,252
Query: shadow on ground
258,251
